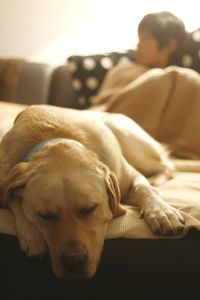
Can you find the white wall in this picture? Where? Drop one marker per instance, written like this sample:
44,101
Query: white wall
51,30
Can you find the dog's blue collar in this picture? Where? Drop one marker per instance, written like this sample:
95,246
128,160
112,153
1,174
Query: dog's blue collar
39,146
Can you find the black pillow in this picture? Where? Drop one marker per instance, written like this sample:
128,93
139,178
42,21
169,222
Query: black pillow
189,55
88,72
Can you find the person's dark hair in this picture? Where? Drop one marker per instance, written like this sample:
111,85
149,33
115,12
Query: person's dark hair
164,26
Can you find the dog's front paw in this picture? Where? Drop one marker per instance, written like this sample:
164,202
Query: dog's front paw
164,219
31,240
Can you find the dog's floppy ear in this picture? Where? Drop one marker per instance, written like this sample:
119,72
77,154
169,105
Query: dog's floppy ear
114,195
16,178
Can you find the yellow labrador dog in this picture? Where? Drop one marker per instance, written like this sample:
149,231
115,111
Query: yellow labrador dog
64,172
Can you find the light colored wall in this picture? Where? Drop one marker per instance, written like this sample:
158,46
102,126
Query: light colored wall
51,30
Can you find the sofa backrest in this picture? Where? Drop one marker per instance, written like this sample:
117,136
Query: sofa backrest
24,82
34,83
61,91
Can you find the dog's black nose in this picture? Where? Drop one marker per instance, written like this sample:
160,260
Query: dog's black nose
73,261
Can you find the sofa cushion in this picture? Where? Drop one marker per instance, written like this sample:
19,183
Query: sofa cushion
61,90
129,269
88,72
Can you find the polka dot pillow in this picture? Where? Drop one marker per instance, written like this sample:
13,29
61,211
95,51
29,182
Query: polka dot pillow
88,72
189,56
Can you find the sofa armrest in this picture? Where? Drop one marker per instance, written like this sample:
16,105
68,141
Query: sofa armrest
34,83
61,92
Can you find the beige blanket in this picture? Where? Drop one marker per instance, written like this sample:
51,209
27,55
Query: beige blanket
182,192
165,102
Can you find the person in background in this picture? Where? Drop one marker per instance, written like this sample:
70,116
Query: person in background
161,35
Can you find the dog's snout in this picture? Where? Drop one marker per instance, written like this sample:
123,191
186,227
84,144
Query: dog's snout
73,261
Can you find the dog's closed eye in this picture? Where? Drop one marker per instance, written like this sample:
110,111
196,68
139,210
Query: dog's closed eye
49,217
85,211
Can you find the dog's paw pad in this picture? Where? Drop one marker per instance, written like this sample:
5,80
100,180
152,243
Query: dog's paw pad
165,221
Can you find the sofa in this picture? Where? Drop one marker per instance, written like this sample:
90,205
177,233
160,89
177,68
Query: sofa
129,268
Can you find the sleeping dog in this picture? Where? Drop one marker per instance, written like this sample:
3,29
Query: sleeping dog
64,174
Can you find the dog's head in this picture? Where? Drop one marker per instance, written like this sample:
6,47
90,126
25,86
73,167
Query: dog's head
70,196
